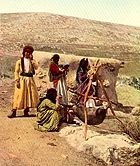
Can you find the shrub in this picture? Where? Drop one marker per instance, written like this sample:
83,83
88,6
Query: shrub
133,125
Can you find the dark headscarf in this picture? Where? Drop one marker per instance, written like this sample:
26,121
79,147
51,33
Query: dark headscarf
55,58
83,65
51,94
29,48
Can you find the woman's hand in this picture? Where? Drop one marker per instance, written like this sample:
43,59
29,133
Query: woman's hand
31,56
58,98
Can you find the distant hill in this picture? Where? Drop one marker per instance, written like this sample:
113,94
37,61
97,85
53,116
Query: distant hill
57,33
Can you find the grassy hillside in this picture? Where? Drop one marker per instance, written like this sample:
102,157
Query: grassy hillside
128,95
131,68
63,34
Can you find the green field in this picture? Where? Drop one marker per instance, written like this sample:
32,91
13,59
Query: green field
131,68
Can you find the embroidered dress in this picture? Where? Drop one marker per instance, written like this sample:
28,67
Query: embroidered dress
58,77
62,90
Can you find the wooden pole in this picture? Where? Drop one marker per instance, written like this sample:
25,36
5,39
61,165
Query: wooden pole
85,100
91,97
86,96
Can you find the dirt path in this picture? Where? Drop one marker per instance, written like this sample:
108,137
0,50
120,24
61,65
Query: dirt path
21,145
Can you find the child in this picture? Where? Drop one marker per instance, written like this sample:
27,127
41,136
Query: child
26,95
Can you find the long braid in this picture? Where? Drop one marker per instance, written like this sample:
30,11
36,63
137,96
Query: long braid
22,64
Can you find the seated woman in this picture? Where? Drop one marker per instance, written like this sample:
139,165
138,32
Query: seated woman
49,112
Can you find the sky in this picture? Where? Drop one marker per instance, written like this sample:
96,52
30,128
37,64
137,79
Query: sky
125,12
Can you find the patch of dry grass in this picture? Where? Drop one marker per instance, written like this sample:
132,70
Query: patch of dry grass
130,96
133,125
132,68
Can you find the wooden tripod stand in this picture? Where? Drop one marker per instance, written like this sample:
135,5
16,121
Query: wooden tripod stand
100,82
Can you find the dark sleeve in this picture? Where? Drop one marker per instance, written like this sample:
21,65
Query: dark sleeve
82,76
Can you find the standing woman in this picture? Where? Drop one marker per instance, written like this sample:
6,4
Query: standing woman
57,75
82,73
26,95
81,80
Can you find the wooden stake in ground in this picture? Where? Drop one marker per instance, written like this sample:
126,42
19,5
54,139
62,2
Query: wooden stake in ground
85,100
86,96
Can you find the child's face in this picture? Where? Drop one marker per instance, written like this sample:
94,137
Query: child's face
28,53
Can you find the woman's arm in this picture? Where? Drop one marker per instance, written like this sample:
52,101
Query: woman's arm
55,70
82,76
51,105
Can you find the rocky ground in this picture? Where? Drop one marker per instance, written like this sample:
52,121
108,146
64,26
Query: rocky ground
21,145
